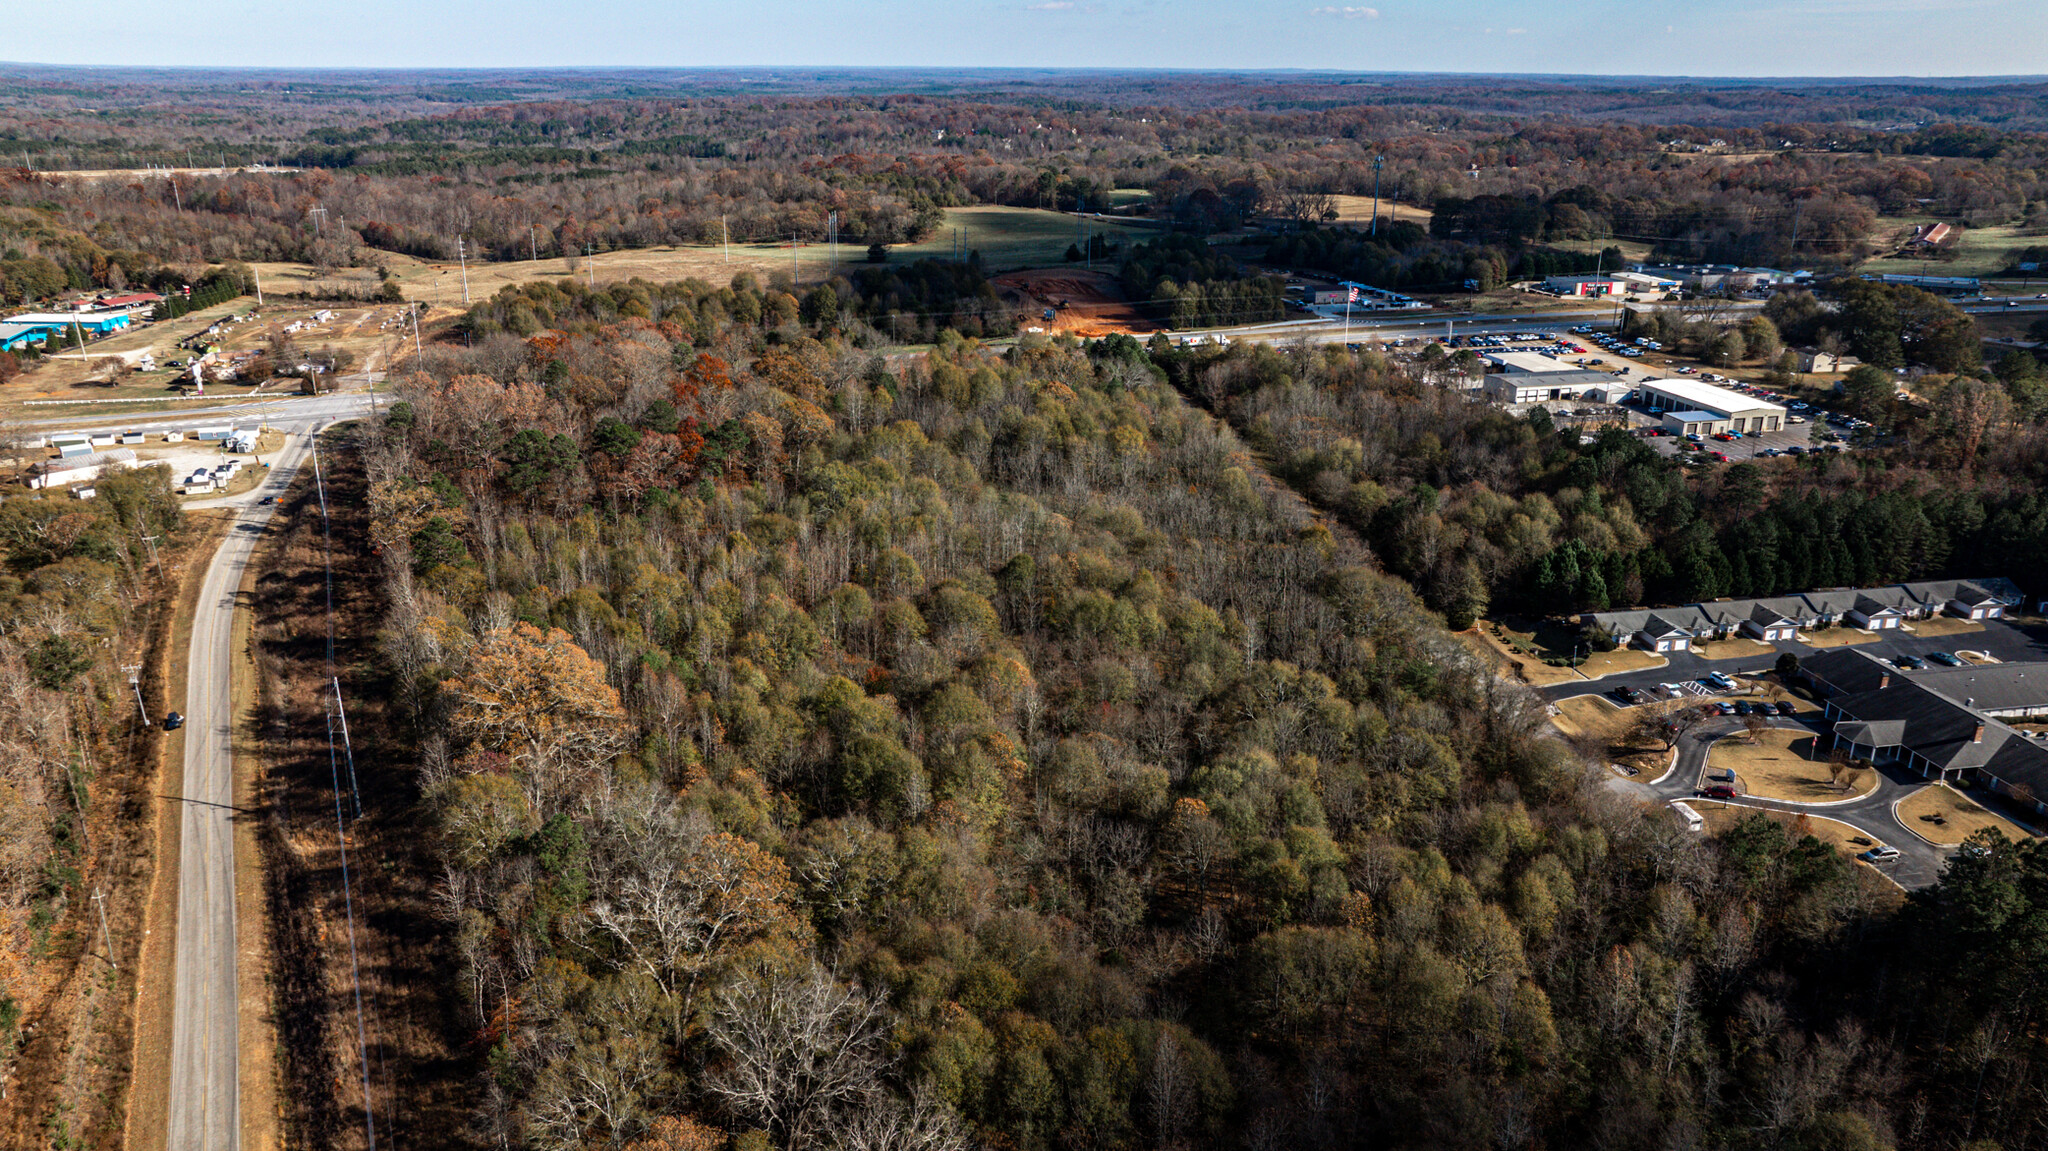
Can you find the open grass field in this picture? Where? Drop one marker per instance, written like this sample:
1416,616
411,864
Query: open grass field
1979,251
1012,238
1943,815
1007,238
1777,766
1358,210
440,283
1631,250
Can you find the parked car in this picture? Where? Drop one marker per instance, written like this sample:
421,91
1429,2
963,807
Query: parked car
1880,854
1909,662
1744,707
1943,658
1671,690
1717,791
1719,680
1725,708
1787,707
1718,457
173,721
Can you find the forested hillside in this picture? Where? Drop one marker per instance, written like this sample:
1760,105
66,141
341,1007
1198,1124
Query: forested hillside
538,168
979,750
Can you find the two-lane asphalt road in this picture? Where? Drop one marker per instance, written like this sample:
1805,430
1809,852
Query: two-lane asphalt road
205,1106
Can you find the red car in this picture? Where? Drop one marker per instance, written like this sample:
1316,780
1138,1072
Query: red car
1717,791
1718,457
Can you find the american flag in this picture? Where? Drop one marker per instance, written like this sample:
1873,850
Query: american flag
1354,295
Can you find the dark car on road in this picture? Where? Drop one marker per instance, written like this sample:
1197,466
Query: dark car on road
173,721
1717,791
1944,659
1786,707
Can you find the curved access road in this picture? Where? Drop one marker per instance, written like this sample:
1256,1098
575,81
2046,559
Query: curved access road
1919,864
205,1103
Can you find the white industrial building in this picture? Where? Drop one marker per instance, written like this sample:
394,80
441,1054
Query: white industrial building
1692,407
78,469
1535,378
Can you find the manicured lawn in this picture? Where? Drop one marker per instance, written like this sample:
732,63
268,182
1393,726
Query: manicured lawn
1529,643
1594,717
1733,649
1777,766
1720,817
1837,637
1944,625
1946,816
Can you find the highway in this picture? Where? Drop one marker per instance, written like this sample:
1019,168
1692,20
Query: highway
205,1109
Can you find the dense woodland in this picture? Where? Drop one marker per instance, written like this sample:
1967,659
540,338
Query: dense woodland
522,169
1062,746
1477,507
978,749
76,596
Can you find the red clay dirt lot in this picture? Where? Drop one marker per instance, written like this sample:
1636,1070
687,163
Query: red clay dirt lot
1087,303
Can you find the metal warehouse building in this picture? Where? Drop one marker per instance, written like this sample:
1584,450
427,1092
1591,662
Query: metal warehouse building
1689,406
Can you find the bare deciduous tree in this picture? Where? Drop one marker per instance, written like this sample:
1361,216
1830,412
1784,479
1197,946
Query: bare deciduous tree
798,1051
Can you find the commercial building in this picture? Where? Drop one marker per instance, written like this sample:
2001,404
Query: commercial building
80,469
1605,285
1573,384
1538,377
1964,285
1689,406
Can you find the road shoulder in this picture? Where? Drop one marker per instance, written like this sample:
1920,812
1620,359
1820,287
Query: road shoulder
150,1056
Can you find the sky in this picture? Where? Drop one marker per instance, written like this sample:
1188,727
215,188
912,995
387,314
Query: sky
1627,37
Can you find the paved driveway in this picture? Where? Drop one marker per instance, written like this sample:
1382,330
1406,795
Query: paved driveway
1919,864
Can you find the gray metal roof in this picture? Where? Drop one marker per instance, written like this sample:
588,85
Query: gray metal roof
1990,687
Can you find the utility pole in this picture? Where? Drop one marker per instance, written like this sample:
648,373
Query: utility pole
135,679
590,263
725,236
796,274
463,259
319,221
99,900
533,242
420,357
154,559
258,273
1376,162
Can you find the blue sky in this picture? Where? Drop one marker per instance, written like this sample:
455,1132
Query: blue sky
1633,37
